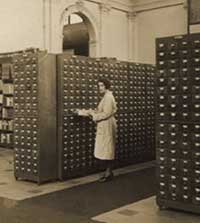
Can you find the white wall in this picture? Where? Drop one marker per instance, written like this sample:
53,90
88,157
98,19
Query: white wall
20,24
158,23
38,23
117,45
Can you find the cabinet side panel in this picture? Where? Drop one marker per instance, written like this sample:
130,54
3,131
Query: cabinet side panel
60,114
48,117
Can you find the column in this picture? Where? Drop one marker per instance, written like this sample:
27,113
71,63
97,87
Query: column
132,37
104,28
93,48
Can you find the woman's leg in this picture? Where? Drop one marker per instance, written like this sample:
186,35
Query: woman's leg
107,174
103,167
109,167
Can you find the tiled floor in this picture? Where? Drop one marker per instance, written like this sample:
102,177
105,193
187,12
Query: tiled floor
20,190
146,211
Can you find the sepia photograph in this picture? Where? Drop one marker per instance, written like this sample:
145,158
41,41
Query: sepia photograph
100,111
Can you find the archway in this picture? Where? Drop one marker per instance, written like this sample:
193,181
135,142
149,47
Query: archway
89,22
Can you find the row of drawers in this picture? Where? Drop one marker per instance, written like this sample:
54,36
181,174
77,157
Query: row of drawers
179,72
179,90
178,53
174,81
176,63
177,116
179,43
91,76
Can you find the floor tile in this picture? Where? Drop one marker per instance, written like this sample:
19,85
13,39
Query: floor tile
147,212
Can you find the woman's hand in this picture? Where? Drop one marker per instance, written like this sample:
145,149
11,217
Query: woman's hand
82,112
90,112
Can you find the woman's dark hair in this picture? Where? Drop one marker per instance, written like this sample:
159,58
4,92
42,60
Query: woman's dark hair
105,81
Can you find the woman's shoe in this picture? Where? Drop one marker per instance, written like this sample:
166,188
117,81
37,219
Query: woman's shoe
101,178
107,178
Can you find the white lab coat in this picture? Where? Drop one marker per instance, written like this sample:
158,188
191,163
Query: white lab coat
106,127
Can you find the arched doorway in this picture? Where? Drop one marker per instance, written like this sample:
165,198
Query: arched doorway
88,29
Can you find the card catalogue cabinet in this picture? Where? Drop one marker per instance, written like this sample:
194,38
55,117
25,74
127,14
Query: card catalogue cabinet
35,117
133,88
178,122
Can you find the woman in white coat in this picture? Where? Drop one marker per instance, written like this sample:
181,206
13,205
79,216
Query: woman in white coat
106,128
